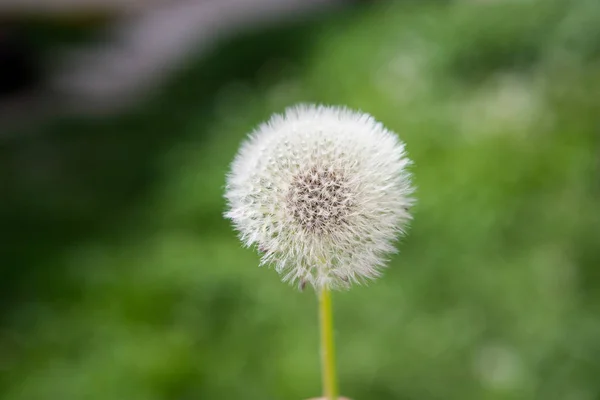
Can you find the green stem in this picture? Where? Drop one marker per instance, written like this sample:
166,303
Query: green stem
330,390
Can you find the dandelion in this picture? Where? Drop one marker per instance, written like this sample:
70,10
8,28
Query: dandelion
323,193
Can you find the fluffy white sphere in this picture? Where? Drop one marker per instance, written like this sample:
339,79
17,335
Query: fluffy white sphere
323,192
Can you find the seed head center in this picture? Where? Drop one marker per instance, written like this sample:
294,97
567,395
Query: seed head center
319,199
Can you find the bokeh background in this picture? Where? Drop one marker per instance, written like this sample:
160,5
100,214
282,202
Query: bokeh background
120,280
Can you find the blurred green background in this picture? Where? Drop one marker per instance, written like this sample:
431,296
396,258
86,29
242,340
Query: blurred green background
122,281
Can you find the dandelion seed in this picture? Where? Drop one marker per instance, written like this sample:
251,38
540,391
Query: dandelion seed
302,285
323,192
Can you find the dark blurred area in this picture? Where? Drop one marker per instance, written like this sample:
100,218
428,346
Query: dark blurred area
18,64
119,278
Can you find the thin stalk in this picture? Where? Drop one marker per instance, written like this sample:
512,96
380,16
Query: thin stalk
328,371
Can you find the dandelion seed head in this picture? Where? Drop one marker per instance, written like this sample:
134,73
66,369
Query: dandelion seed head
323,193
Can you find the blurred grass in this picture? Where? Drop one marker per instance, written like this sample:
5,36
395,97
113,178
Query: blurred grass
121,280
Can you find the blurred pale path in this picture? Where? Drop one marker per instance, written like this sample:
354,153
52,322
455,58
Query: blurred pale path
147,43
74,7
121,280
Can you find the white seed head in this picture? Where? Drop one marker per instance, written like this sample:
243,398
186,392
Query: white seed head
323,193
